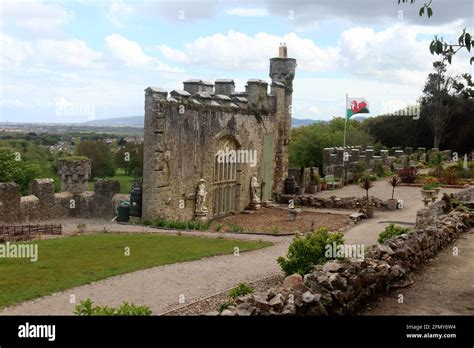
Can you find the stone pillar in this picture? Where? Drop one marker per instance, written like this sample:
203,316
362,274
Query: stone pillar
44,190
384,156
327,156
354,155
398,153
369,154
10,199
75,172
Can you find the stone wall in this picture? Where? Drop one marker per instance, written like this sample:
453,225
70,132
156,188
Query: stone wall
389,159
428,216
183,134
75,173
342,287
331,202
43,203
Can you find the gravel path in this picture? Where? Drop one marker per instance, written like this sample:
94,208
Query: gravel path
161,287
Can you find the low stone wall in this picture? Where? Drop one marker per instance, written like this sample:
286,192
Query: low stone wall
342,287
43,203
331,202
428,216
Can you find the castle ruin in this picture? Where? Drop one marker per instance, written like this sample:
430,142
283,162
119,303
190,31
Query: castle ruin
186,130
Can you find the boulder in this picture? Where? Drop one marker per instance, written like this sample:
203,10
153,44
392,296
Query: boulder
293,281
333,266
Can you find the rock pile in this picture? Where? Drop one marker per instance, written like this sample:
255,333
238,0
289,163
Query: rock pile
332,202
341,287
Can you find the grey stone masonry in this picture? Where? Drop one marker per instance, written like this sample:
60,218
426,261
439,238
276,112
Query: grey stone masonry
181,150
75,173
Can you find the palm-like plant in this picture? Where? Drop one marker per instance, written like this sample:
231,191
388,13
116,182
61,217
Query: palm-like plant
394,181
366,182
437,162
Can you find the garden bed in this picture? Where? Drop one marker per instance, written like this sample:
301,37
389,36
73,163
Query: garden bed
274,221
212,303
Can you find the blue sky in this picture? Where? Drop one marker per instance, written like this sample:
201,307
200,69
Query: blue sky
96,58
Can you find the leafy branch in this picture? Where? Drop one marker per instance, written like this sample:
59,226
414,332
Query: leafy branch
438,45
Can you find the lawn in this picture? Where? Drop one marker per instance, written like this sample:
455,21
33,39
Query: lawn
125,181
67,262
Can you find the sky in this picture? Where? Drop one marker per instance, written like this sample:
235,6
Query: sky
79,60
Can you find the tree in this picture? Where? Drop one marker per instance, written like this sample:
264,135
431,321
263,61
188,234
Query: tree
439,100
100,155
308,142
12,170
130,158
438,45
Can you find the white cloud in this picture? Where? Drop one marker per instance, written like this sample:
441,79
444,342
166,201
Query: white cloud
225,51
130,53
247,12
35,16
73,53
173,54
13,52
116,11
393,54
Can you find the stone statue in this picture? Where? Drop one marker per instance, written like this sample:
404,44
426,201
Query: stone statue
254,192
201,197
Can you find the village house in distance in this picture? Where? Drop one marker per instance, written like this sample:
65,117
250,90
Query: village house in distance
187,131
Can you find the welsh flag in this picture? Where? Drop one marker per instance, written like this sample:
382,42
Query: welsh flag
356,106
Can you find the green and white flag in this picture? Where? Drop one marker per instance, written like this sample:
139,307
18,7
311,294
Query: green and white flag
356,106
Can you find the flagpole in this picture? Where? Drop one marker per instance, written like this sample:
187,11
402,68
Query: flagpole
344,144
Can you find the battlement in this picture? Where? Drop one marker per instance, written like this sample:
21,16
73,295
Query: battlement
221,95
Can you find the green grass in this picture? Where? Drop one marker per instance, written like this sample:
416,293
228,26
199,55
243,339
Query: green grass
67,262
125,181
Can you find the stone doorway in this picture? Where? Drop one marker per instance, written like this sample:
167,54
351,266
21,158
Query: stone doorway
225,186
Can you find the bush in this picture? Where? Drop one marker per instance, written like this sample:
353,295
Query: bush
308,251
450,176
391,231
87,308
235,228
240,290
180,225
408,175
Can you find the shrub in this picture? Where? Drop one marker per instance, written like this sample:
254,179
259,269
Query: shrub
436,162
235,228
394,181
87,308
450,176
308,251
217,227
391,231
408,175
240,290
226,305
181,225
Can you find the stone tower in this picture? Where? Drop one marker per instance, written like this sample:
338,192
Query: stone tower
282,73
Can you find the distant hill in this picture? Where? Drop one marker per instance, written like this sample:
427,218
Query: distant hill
359,118
137,121
296,122
130,121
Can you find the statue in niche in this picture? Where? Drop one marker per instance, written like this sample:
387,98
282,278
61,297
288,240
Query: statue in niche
201,198
255,192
